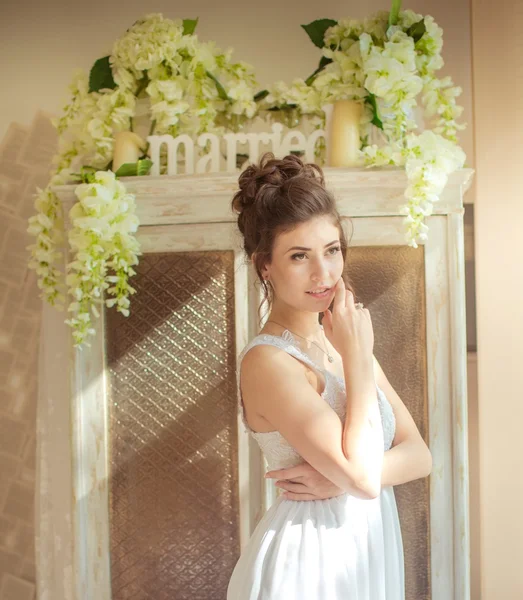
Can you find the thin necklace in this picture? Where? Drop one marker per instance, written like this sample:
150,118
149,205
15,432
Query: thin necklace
329,356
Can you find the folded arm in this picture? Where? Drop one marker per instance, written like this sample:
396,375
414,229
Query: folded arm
408,459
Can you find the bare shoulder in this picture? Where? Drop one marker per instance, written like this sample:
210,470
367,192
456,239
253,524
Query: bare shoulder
264,371
266,362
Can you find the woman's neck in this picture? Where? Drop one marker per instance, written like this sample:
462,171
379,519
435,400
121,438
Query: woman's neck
303,323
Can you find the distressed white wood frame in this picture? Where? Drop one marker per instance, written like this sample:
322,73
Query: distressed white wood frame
192,213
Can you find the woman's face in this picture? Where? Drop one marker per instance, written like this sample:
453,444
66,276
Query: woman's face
305,262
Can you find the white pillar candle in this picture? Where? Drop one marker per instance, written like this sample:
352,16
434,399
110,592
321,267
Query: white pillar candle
128,147
343,133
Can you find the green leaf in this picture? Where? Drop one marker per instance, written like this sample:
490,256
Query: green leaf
371,100
316,30
417,30
221,90
101,76
261,95
323,63
394,12
127,170
142,167
189,25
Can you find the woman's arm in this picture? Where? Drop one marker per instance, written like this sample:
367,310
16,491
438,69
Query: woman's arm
407,460
410,457
362,430
275,385
401,464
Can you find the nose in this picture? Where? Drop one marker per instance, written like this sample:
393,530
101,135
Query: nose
320,271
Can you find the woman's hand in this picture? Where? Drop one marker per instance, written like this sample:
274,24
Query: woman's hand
348,329
303,482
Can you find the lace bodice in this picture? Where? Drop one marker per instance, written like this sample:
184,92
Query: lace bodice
278,452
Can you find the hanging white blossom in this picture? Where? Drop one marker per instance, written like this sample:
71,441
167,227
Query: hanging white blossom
102,242
191,87
391,69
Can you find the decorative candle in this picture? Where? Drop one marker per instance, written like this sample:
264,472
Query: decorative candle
343,133
128,147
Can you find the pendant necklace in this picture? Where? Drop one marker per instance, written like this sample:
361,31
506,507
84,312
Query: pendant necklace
330,358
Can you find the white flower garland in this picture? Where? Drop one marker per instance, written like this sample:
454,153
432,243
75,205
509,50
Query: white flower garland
101,239
192,87
388,68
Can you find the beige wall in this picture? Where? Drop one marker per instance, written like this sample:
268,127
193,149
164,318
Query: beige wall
498,95
41,45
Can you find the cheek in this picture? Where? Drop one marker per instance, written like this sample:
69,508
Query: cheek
289,279
340,266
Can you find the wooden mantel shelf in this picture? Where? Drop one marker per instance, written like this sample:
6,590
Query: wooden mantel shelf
176,199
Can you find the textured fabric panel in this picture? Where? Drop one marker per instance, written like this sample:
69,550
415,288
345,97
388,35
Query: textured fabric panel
390,281
173,429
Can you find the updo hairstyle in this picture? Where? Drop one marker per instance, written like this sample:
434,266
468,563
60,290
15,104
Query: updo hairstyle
275,196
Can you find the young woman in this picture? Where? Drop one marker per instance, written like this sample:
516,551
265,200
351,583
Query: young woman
332,428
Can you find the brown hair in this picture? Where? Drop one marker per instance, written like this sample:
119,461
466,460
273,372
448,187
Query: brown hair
275,196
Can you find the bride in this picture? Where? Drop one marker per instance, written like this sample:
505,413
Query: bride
335,434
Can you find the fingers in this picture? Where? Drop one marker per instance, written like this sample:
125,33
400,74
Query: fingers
290,473
339,294
327,320
289,486
349,300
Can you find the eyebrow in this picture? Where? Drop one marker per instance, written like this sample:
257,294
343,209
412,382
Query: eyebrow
309,249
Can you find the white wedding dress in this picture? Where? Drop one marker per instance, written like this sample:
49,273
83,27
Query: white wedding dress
343,548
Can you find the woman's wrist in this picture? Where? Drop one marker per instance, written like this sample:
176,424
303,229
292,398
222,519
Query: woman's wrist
358,367
354,355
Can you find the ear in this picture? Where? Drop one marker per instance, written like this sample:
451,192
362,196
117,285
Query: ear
264,270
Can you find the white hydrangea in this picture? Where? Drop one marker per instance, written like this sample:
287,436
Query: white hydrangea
297,93
148,43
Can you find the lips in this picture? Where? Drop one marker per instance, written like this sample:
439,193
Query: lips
320,292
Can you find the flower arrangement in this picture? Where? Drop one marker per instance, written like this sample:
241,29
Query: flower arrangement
101,239
191,87
387,62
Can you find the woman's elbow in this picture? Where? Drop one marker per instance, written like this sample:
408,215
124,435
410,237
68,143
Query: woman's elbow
359,487
369,489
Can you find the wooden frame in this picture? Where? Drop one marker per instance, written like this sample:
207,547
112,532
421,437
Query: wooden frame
192,212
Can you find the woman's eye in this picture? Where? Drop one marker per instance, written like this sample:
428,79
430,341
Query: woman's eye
331,251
